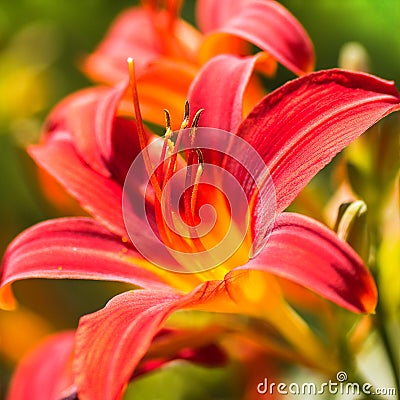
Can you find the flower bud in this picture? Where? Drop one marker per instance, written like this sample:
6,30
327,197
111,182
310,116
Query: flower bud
354,56
351,226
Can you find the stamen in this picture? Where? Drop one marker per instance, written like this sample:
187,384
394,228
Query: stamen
168,133
167,143
186,115
171,147
195,124
192,183
172,163
167,122
191,198
140,130
200,157
172,159
199,171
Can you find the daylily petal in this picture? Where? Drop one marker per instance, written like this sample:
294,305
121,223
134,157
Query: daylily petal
212,15
195,344
266,24
133,34
219,88
144,35
102,121
125,328
75,116
117,138
300,127
306,252
78,248
165,84
60,159
45,373
103,140
56,194
123,147
58,156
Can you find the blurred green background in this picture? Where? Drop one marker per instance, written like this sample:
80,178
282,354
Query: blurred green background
41,43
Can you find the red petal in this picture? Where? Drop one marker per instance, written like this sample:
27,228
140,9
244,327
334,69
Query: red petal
45,373
266,24
103,119
147,37
300,127
104,141
75,116
111,342
219,89
117,139
59,158
89,150
132,34
165,84
212,15
306,252
78,248
196,345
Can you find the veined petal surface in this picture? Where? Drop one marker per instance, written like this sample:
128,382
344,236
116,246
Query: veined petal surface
306,252
74,248
263,23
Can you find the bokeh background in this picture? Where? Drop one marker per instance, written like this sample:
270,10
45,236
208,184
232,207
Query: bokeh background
41,45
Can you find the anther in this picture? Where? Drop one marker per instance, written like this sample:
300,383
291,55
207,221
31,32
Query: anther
195,124
168,144
186,115
168,130
200,157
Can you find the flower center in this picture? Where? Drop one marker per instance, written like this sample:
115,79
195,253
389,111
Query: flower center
192,200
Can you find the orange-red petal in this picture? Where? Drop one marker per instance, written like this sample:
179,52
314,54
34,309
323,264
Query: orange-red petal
45,373
263,23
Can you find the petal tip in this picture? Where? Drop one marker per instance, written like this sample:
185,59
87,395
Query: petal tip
7,299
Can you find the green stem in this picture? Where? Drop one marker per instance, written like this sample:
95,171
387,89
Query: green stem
357,377
381,317
348,365
387,344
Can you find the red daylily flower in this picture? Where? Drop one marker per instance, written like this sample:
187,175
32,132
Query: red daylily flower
169,52
297,130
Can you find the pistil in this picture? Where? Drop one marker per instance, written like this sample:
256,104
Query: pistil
141,132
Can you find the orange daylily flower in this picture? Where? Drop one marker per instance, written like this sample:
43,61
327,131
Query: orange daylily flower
169,52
